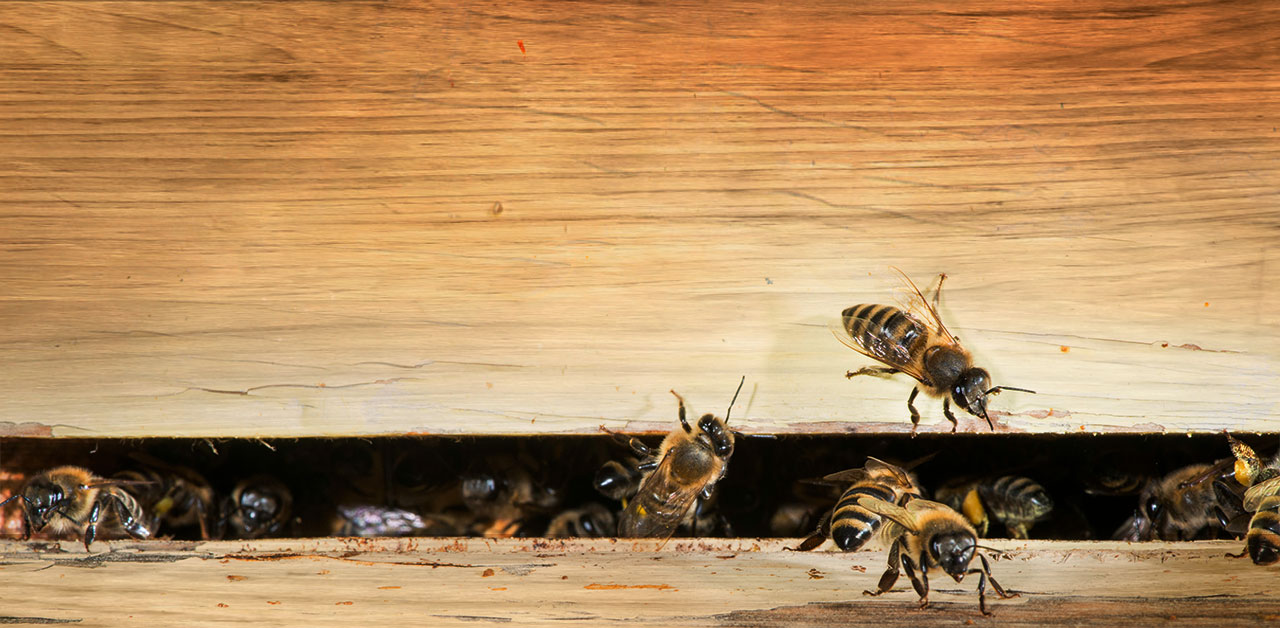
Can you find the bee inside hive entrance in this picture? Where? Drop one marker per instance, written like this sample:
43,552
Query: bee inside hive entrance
1067,487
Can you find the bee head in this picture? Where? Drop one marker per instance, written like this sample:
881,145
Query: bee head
970,392
953,552
717,435
40,499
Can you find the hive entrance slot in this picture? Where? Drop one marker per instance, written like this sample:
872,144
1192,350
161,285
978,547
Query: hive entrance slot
516,486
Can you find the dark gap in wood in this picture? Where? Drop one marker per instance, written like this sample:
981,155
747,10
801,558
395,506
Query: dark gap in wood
421,475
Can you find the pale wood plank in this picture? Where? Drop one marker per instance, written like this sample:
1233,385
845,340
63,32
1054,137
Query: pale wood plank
280,219
606,582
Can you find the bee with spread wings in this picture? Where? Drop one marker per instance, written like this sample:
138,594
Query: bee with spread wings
914,341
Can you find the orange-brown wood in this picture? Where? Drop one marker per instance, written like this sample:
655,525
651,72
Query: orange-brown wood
313,218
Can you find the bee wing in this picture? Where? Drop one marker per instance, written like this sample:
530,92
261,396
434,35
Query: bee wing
919,308
844,478
676,499
894,354
893,512
1256,493
894,470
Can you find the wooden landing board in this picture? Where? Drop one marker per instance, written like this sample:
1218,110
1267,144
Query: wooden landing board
321,219
604,582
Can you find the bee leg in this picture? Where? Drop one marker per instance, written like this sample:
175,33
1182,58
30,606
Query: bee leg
937,292
890,575
986,568
635,444
1240,555
818,537
915,414
921,583
946,411
871,370
91,531
683,423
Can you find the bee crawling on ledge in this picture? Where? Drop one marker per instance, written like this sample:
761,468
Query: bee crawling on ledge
928,534
914,341
67,499
682,471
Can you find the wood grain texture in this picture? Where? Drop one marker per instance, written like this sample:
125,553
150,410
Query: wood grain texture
315,218
605,582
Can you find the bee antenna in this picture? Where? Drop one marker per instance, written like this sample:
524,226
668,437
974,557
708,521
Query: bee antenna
993,550
735,398
997,389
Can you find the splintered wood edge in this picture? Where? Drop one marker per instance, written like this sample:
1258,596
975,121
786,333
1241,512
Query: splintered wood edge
747,582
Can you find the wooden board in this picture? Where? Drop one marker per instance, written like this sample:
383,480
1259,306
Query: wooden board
359,218
604,582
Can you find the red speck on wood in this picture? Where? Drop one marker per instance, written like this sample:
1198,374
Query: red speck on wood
344,603
520,42
221,605
1064,349
487,573
237,578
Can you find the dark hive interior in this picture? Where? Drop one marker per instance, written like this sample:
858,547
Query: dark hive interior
494,486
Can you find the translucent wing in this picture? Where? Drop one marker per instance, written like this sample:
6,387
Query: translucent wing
1256,493
892,512
879,345
922,310
846,477
896,472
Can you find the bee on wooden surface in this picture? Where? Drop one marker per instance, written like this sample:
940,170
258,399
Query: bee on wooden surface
681,471
1015,502
1181,506
914,341
1262,541
589,520
73,499
851,525
258,506
174,496
924,535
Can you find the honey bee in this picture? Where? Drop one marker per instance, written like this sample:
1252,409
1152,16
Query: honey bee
914,341
1013,501
258,506
851,525
925,535
67,499
1262,541
589,520
174,496
507,494
1181,506
681,471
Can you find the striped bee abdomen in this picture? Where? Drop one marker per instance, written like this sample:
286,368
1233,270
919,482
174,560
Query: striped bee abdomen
1015,498
852,525
1263,538
887,332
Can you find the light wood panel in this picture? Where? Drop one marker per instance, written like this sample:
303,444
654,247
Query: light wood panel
313,218
605,582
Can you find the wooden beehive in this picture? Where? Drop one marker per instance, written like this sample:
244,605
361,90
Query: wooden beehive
300,219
